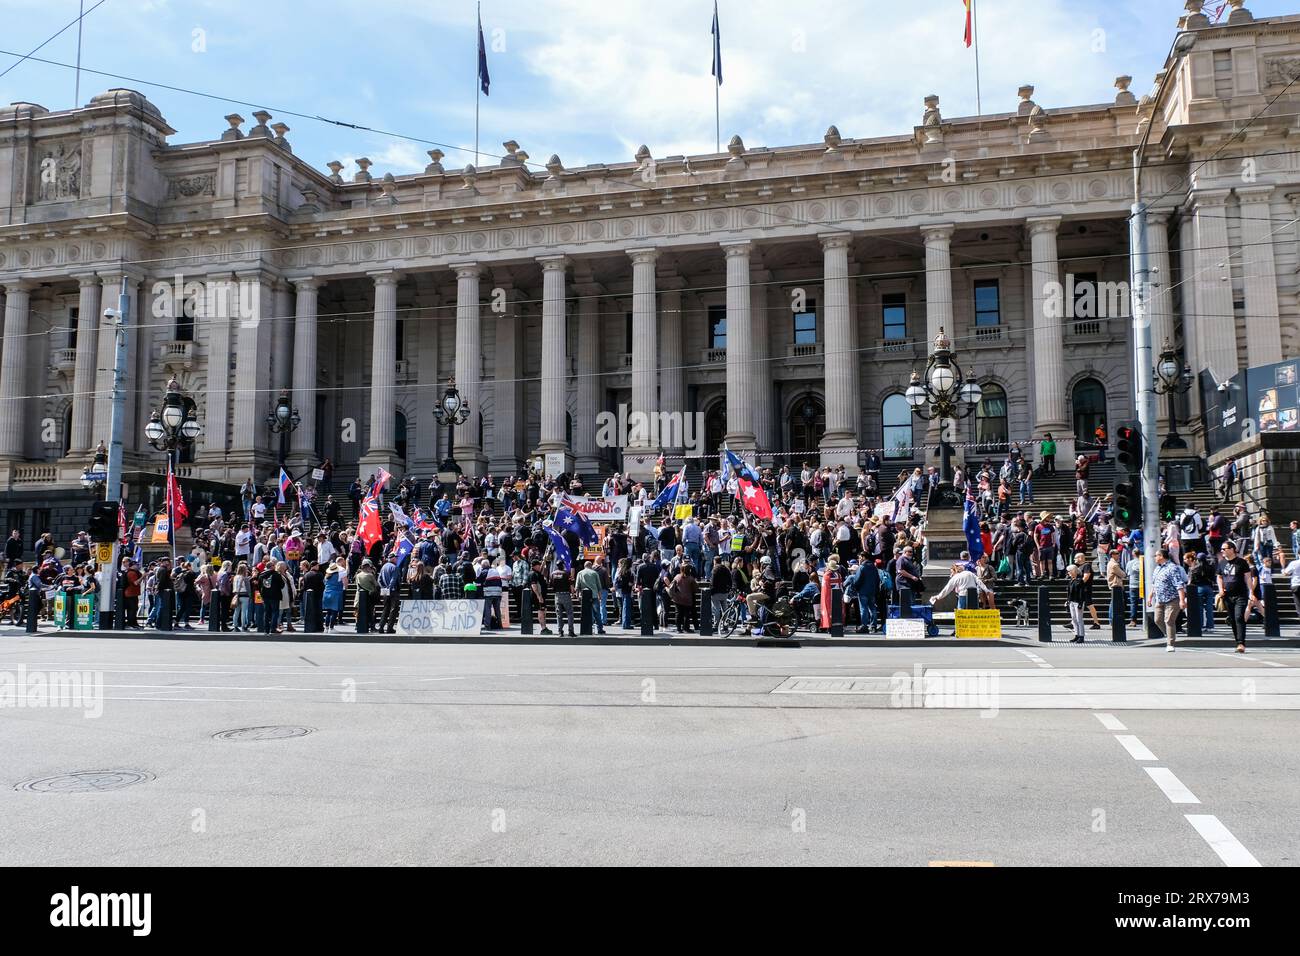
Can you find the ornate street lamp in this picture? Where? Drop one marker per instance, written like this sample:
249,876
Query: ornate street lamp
943,394
1173,377
283,420
451,411
96,473
170,429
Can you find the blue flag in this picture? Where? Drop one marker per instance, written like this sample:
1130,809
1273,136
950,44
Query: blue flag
970,526
484,80
717,45
566,519
560,546
733,462
672,491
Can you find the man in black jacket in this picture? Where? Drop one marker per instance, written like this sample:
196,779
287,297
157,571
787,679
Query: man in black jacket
14,549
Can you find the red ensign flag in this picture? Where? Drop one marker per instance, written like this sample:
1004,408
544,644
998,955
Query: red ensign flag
967,5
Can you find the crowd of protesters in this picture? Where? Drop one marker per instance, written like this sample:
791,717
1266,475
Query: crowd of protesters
488,539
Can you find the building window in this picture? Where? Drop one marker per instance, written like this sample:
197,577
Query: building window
988,306
401,338
717,326
991,431
1085,296
74,319
897,417
894,315
805,324
399,435
627,337
185,321
40,523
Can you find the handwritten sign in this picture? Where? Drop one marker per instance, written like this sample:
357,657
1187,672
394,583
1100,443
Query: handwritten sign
986,625
905,628
440,618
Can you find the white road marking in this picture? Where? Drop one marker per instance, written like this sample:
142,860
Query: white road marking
1035,658
1136,748
1110,722
1173,787
1221,840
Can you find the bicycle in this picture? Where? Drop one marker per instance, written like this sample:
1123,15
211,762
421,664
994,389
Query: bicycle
732,615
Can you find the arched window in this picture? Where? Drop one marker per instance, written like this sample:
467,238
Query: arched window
1089,402
991,434
897,417
399,435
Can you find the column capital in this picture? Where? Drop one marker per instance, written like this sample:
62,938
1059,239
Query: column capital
86,280
385,277
19,285
307,284
554,263
1209,197
643,256
1043,225
467,270
737,248
1260,193
835,240
941,232
1158,217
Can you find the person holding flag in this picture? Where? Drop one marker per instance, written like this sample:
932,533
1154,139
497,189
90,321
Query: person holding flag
674,491
575,522
285,484
754,498
970,526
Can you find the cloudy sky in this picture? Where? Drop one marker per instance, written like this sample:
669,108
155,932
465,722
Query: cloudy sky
588,79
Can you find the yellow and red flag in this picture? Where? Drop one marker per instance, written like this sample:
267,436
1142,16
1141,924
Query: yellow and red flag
967,4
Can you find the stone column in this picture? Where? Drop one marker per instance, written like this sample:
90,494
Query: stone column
282,337
938,307
1160,307
767,306
672,376
469,362
13,370
641,449
740,348
250,440
307,292
217,315
1259,267
1216,321
383,375
507,388
555,360
585,449
839,443
1048,346
84,378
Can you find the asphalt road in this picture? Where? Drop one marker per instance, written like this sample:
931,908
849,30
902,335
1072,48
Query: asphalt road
492,755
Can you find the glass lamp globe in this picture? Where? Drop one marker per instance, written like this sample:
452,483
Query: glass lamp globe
173,415
971,393
282,412
1168,369
451,403
915,396
154,430
942,379
191,429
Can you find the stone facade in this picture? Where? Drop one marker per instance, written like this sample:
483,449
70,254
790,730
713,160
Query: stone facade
554,294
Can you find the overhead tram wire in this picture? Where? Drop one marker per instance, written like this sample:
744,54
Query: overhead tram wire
23,58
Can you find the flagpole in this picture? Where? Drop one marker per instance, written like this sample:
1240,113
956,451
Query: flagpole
171,509
717,117
975,38
478,83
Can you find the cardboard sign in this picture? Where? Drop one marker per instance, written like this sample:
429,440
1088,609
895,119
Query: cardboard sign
905,628
160,528
318,474
979,625
613,508
440,618
681,512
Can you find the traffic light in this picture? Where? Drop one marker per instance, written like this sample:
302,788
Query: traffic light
103,521
1168,507
1128,504
1128,446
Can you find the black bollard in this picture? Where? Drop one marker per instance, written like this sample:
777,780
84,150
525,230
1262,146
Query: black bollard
526,612
1153,629
363,611
33,610
166,619
117,617
312,618
214,613
706,611
1045,615
904,602
585,610
836,623
648,614
1193,611
1117,615
1272,626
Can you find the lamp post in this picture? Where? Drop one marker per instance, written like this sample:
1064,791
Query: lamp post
283,420
1173,377
95,478
451,411
170,429
943,394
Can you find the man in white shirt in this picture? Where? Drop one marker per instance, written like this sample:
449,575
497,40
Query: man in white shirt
243,543
961,581
259,511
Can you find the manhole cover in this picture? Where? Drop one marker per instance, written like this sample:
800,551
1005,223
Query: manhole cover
263,733
87,781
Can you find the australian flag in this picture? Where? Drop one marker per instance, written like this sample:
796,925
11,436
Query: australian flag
674,490
566,519
970,526
484,80
560,546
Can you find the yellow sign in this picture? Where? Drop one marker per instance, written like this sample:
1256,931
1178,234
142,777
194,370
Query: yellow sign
103,552
683,511
160,527
979,625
